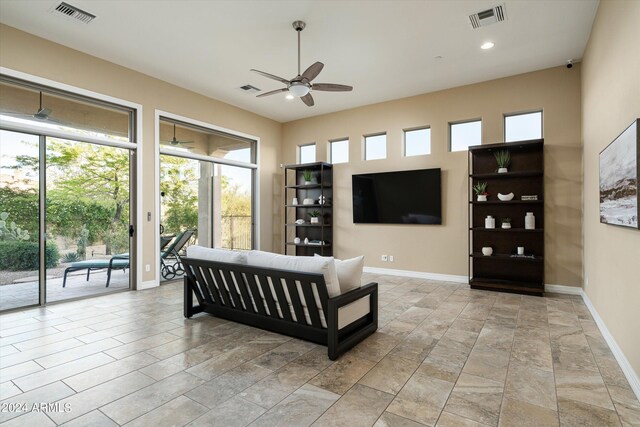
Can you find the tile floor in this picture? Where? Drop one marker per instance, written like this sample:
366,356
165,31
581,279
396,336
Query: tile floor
444,355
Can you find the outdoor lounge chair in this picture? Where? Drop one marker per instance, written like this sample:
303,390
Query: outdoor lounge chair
171,263
117,262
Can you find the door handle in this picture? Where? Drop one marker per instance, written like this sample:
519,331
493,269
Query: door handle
131,230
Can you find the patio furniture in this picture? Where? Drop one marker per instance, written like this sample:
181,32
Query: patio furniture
117,262
293,303
171,263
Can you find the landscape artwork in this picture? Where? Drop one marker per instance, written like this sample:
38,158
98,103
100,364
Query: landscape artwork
619,179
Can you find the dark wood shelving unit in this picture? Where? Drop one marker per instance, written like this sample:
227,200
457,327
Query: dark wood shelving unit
294,186
501,271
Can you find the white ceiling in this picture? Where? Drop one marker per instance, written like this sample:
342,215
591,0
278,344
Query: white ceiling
386,49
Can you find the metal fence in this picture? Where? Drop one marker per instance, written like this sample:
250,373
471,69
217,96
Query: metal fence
236,232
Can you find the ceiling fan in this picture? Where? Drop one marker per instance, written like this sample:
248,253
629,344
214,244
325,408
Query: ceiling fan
42,115
175,141
301,85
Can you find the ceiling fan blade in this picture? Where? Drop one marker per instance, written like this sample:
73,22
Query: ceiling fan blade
332,87
308,99
313,71
271,76
273,92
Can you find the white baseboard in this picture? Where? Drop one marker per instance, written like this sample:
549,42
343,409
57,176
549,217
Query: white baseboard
148,284
563,289
627,369
418,274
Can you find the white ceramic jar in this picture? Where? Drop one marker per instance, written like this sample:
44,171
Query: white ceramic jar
489,222
529,221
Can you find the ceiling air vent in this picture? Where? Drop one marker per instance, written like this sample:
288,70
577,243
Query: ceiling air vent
488,17
74,13
249,89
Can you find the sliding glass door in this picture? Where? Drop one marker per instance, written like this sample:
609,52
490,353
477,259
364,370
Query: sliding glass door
87,218
19,220
67,164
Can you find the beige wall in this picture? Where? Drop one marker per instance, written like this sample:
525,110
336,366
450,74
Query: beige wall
443,249
30,54
611,101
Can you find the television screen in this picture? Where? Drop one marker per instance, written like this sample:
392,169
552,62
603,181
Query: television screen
405,197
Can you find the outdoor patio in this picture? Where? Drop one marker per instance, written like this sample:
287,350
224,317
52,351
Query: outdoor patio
25,291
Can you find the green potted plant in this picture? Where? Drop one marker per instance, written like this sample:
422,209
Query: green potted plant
307,176
481,191
503,158
506,222
315,217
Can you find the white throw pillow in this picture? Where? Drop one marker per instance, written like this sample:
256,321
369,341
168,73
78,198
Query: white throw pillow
219,255
349,272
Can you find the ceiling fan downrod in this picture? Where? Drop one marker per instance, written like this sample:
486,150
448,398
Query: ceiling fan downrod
299,26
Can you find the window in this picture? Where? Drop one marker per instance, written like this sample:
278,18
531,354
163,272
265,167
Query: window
375,147
339,151
417,142
521,127
464,135
307,153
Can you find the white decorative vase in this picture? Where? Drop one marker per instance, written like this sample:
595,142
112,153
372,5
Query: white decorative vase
314,220
489,222
482,197
294,201
306,240
296,240
503,170
487,250
529,221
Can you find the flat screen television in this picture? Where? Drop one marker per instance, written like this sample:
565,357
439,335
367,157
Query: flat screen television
404,197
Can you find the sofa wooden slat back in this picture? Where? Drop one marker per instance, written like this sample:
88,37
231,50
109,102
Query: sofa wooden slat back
240,292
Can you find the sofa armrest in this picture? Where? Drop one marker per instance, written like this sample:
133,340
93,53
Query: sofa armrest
351,296
337,343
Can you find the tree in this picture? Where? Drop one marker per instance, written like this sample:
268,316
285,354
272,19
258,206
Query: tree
86,180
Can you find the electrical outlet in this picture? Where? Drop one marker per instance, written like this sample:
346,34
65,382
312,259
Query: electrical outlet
390,258
147,267
384,258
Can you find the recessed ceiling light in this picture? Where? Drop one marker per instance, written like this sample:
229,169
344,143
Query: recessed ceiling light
487,45
289,96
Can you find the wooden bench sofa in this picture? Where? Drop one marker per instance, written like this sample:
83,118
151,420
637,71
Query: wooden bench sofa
292,303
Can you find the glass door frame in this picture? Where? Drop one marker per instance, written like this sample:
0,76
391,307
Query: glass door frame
255,176
135,147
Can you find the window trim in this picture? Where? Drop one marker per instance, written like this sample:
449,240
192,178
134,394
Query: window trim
364,145
330,150
522,113
404,140
461,122
299,152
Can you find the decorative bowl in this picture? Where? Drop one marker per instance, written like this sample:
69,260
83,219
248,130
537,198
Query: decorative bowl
505,197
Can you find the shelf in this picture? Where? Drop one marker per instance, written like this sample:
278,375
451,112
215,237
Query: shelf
308,225
507,202
522,174
310,166
308,186
518,286
506,257
309,246
308,206
503,230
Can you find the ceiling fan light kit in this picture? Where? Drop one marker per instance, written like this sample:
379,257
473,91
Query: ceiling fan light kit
301,86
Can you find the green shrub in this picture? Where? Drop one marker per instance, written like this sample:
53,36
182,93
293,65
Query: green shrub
23,256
